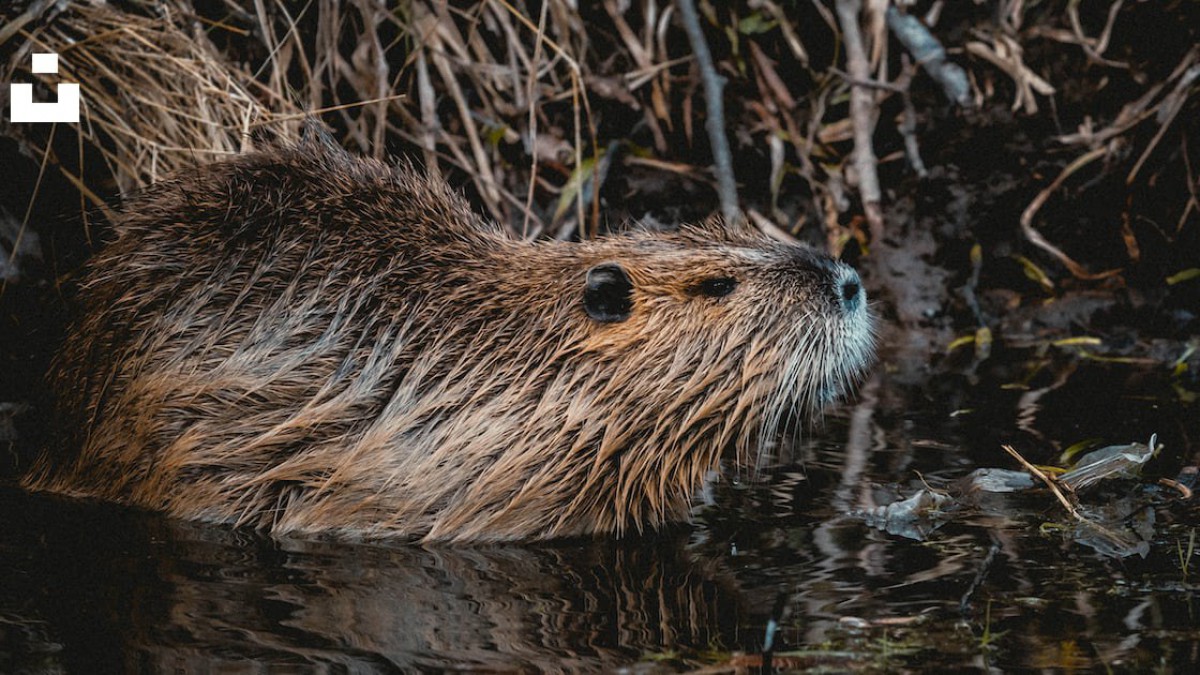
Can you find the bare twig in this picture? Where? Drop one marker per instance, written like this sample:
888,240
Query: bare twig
1048,481
715,124
1167,111
1095,47
429,119
769,228
908,125
1091,527
862,111
785,26
930,54
531,95
1185,492
1041,242
308,114
1006,54
1135,112
485,180
37,186
891,87
541,36
1193,200
34,11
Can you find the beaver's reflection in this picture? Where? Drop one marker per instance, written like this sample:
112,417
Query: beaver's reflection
188,598
502,607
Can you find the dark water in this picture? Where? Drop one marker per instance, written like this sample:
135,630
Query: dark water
92,588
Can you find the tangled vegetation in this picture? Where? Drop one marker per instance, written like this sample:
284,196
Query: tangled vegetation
1019,150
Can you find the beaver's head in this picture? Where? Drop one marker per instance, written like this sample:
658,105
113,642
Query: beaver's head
716,300
603,380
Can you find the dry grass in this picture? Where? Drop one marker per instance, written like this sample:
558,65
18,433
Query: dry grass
518,97
157,97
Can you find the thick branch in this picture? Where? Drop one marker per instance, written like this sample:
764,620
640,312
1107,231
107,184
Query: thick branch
928,52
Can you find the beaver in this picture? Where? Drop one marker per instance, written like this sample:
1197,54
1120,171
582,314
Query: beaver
307,342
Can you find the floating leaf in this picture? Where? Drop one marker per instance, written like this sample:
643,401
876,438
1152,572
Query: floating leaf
1114,461
997,480
1118,530
914,518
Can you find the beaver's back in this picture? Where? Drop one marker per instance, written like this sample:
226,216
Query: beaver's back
268,274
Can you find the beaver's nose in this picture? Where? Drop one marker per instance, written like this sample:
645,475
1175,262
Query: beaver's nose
848,290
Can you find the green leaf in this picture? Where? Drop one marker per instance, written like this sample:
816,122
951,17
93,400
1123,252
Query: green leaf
756,23
494,133
1185,275
1036,274
579,176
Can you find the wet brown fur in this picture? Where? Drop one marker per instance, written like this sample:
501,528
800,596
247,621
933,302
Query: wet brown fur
304,341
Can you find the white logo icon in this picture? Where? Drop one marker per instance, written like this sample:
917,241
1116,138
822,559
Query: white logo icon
65,109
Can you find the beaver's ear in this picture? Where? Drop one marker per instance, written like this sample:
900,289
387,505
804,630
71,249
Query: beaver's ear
608,297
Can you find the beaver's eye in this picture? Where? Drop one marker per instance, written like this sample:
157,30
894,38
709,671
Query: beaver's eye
717,287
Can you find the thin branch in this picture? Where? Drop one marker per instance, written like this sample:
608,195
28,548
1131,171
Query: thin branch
531,95
31,13
715,124
16,245
873,84
1041,242
1045,479
862,111
908,124
1167,111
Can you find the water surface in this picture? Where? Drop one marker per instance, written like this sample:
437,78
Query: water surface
94,588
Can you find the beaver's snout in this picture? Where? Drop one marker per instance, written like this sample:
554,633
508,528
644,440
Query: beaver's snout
845,289
848,290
